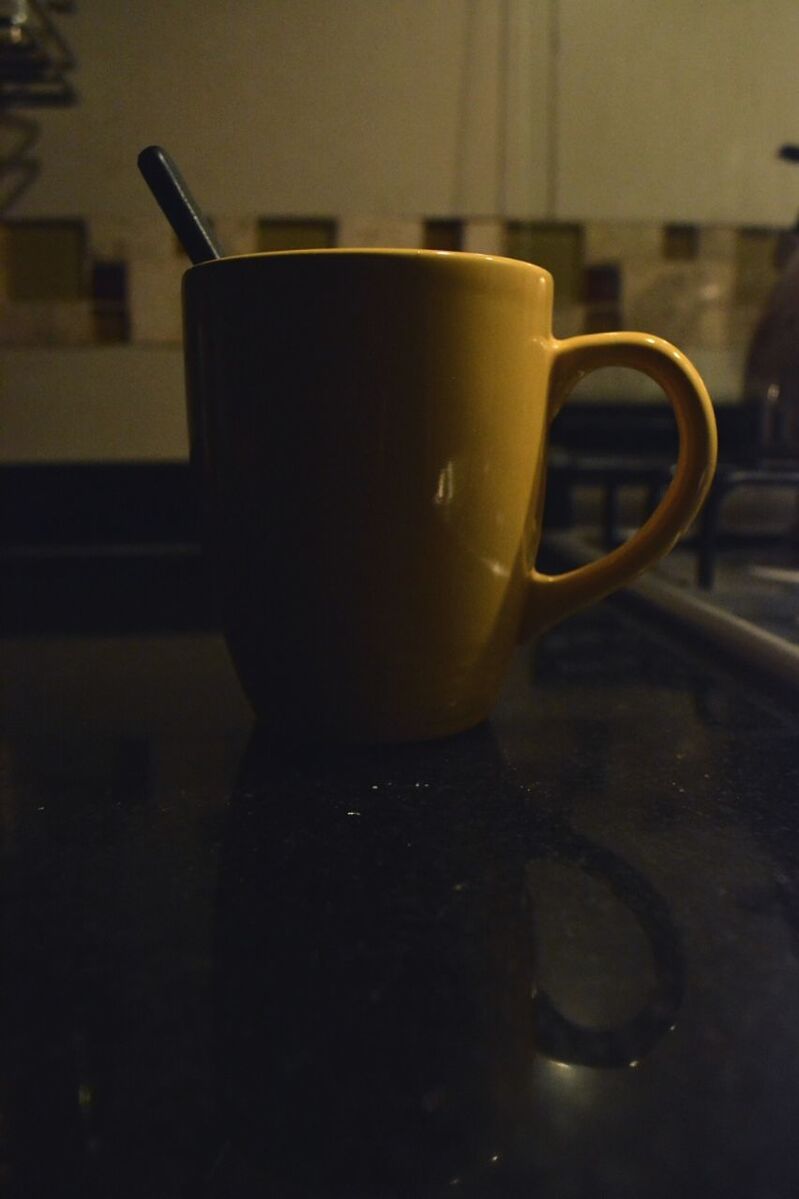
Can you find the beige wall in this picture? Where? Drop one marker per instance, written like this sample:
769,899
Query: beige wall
617,110
89,403
673,110
381,107
601,109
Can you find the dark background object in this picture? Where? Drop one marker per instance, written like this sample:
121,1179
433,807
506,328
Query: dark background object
36,64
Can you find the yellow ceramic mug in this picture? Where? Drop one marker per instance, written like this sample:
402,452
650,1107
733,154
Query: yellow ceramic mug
371,428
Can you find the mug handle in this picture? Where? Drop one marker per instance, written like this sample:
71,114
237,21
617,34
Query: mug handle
553,597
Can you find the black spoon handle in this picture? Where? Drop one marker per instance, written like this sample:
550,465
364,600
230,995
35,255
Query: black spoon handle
177,204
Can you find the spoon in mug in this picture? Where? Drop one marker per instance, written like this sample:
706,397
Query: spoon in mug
178,205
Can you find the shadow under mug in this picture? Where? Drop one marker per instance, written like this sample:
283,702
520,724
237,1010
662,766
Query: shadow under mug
370,427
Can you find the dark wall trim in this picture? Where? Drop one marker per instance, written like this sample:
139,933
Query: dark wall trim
139,504
98,504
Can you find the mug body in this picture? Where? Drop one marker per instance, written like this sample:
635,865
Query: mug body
370,428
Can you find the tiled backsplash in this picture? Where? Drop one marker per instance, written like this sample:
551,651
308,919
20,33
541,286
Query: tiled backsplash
69,282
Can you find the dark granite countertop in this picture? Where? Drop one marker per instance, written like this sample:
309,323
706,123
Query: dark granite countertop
558,956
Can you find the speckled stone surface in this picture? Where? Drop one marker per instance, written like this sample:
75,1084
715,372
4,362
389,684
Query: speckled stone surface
557,956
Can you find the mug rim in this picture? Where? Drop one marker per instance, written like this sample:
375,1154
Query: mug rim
407,253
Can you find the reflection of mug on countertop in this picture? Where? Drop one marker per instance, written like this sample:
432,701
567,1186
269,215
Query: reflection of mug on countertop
371,429
380,1020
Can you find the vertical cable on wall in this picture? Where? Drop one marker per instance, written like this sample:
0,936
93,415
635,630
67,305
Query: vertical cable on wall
462,114
503,114
553,111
